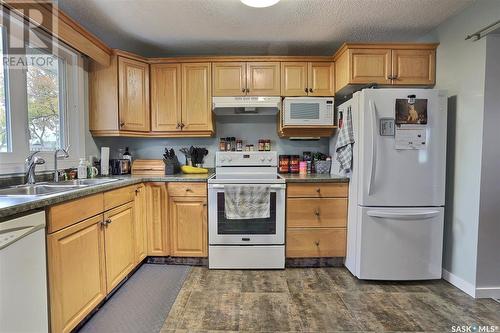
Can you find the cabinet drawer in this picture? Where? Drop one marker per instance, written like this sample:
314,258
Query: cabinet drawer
118,197
187,189
318,190
65,214
307,242
316,212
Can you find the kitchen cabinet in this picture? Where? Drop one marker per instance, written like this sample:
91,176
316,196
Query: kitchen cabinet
166,97
141,234
196,109
384,64
188,219
119,243
76,272
119,97
316,220
307,79
157,219
246,78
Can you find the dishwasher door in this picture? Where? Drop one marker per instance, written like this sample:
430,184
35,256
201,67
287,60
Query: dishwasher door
23,276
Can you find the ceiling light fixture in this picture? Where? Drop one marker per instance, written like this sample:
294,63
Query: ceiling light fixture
260,3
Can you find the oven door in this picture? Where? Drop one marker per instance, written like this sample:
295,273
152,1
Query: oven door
223,231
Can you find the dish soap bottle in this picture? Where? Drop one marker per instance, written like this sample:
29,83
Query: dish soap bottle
82,168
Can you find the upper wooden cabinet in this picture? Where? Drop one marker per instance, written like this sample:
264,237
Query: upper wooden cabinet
307,79
196,97
166,97
385,64
246,78
119,96
181,99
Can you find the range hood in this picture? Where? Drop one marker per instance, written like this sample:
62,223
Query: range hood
246,105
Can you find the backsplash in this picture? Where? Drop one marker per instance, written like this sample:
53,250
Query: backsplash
248,128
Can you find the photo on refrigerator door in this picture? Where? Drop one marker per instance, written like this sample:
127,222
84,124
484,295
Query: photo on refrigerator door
411,111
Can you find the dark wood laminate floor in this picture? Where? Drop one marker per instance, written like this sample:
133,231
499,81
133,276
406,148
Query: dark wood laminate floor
320,300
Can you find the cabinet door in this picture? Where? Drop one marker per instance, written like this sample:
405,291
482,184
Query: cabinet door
196,97
370,66
76,272
165,97
321,78
229,78
188,216
263,79
119,243
294,79
133,95
157,219
141,235
413,67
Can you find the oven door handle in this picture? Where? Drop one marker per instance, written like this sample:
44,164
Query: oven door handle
280,186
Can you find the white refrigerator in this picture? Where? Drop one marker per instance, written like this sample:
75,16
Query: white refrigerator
397,187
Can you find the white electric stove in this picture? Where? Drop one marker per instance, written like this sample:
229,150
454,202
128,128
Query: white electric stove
246,243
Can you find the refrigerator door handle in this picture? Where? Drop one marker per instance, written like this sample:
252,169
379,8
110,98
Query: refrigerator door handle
373,117
403,216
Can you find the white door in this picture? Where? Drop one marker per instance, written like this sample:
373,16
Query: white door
400,243
400,177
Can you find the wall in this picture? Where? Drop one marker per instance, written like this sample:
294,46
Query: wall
249,128
488,263
461,69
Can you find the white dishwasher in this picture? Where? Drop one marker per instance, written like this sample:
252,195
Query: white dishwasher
23,277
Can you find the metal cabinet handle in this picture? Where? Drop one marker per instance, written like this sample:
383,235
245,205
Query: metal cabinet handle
248,90
243,90
305,89
189,190
204,205
108,221
316,212
178,125
318,190
316,243
122,124
310,89
182,125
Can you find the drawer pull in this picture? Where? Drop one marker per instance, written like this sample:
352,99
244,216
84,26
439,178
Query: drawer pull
189,190
318,190
316,212
316,243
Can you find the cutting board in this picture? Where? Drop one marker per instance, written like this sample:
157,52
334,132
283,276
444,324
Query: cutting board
148,167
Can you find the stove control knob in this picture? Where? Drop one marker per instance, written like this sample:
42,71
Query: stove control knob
229,159
262,159
222,159
269,159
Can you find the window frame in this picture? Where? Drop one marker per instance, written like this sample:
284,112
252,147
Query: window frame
73,124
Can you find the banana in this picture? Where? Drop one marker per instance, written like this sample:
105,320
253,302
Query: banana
190,169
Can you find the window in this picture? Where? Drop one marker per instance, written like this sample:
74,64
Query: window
41,103
45,104
4,111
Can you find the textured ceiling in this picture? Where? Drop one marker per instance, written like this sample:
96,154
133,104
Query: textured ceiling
291,27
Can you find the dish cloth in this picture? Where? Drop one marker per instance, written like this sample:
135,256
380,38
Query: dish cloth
244,202
345,142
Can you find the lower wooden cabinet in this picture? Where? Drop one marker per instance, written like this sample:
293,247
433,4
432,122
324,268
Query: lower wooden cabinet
119,244
316,220
188,219
141,235
76,272
157,219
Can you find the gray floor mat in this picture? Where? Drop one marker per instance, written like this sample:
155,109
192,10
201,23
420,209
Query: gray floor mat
142,303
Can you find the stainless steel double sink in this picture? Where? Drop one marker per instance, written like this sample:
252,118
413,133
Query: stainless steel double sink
48,188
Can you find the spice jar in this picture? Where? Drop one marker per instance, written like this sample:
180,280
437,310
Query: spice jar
239,145
261,145
303,167
228,144
294,164
267,145
284,161
222,144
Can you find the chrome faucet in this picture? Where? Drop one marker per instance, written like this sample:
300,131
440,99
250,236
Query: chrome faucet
56,157
31,162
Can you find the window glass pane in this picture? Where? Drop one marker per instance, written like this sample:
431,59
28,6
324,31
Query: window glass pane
4,112
45,102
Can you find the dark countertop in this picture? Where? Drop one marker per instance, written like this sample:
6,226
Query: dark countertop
16,205
314,178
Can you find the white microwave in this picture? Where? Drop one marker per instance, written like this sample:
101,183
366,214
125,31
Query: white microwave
308,111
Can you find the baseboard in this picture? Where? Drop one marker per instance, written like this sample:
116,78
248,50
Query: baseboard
488,292
460,283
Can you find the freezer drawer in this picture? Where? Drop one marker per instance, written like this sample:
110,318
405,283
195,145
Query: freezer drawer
399,243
